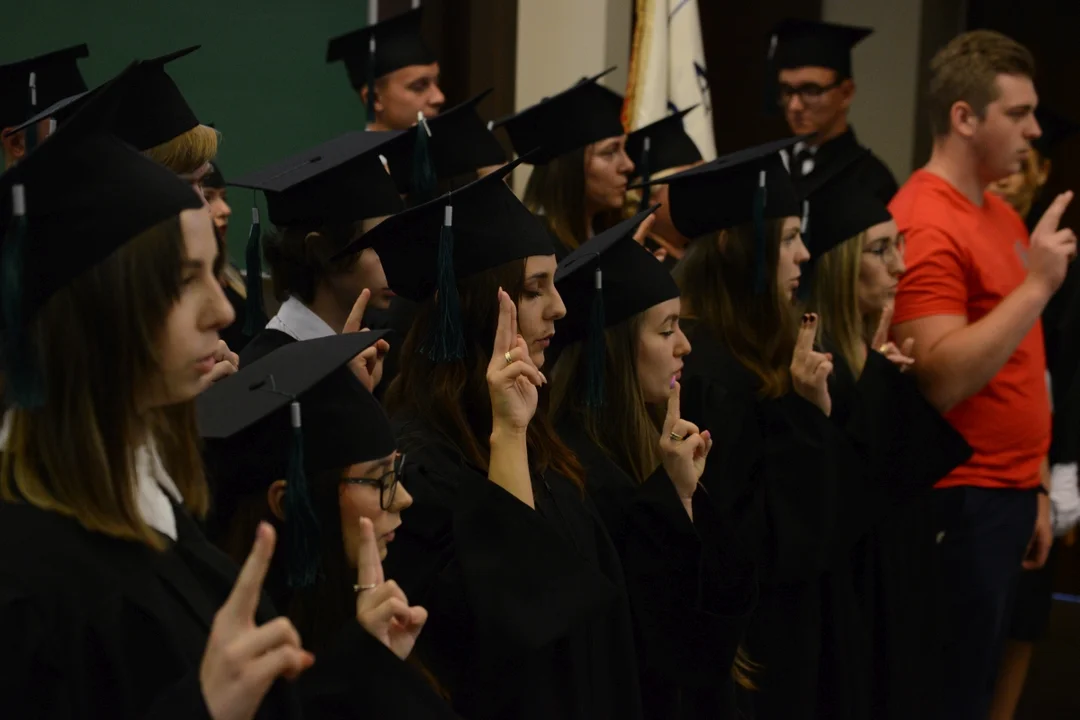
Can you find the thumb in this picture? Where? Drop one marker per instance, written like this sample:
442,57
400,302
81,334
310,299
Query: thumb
356,315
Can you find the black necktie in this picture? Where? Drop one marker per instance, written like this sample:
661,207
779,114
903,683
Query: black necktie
799,161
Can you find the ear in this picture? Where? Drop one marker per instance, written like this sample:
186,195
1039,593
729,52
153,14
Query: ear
14,144
963,119
847,92
275,499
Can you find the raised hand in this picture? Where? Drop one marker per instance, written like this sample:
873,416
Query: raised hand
900,357
381,606
368,365
242,660
226,362
683,447
643,229
810,369
1052,248
513,380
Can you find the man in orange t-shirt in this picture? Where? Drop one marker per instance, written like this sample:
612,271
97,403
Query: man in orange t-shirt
971,298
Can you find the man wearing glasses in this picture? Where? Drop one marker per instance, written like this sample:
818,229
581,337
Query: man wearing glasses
814,89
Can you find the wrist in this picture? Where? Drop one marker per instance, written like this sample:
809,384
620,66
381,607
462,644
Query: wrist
507,435
1039,289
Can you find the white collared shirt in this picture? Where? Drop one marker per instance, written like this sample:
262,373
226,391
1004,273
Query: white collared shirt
298,322
153,486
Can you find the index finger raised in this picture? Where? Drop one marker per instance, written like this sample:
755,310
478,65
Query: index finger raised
356,315
673,412
504,331
368,565
807,332
643,229
243,601
1051,219
882,334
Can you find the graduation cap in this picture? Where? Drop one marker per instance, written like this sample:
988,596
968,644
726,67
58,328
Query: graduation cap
839,206
27,86
750,185
292,414
1055,128
585,113
660,146
811,43
83,183
616,278
452,143
378,50
214,178
428,248
340,181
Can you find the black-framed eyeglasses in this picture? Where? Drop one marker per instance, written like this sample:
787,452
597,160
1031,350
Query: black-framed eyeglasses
809,93
387,483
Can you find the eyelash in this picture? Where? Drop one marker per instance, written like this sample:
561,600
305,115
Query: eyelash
531,294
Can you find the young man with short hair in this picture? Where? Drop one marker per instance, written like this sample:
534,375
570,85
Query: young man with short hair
972,296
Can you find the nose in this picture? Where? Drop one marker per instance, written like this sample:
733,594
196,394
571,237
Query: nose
626,165
226,210
896,265
402,498
682,343
795,103
801,253
556,309
219,312
437,98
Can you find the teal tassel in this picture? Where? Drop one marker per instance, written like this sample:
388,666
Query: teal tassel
759,237
424,182
256,316
371,81
302,523
447,342
24,383
596,348
646,191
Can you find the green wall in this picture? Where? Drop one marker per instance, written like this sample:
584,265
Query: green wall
260,76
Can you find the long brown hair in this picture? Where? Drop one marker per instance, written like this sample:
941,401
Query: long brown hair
625,428
556,193
834,297
74,455
717,278
452,398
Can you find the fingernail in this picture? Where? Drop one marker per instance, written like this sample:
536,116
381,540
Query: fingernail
806,318
706,434
672,385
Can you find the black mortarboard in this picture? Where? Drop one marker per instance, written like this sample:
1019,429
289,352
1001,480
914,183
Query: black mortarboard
54,76
292,414
83,183
451,144
584,113
214,178
377,50
616,278
662,145
839,207
1055,128
429,247
811,43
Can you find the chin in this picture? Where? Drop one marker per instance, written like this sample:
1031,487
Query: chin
379,301
538,358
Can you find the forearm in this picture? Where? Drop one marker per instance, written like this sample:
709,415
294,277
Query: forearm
508,466
963,362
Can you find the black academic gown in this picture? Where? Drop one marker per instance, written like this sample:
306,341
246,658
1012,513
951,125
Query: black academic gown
803,492
873,174
95,627
690,588
528,616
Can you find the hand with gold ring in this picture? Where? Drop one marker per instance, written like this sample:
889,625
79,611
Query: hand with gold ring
381,606
683,449
368,365
513,379
901,358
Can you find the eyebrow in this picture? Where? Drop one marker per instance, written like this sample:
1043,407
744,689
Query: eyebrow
538,276
673,317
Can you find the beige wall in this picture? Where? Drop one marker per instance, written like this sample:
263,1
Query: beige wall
886,67
560,41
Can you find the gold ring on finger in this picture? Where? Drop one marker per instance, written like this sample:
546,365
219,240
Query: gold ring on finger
676,436
508,358
362,588
883,348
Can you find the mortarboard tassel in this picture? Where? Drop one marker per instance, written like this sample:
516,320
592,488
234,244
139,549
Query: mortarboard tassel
424,183
447,343
371,80
759,236
646,191
302,524
256,315
596,348
31,129
24,386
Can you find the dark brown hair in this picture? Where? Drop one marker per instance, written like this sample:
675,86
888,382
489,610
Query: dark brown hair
74,455
716,278
556,192
452,398
299,257
966,70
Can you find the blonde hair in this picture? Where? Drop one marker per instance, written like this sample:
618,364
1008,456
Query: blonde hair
75,455
835,298
187,152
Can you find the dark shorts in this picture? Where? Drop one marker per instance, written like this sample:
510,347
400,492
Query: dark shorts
1034,598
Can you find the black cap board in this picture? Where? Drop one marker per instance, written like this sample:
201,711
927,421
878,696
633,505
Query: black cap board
457,142
668,145
584,113
342,180
397,44
292,414
27,86
810,43
1055,129
82,183
60,110
839,207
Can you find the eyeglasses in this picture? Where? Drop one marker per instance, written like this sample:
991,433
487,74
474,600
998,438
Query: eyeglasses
809,93
885,247
386,483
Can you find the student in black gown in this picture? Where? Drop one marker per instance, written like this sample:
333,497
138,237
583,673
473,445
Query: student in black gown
659,149
690,592
528,612
580,167
801,489
112,604
215,190
858,260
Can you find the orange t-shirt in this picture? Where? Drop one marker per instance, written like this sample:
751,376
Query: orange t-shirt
963,260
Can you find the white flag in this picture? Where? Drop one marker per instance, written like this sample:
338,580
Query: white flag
667,70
